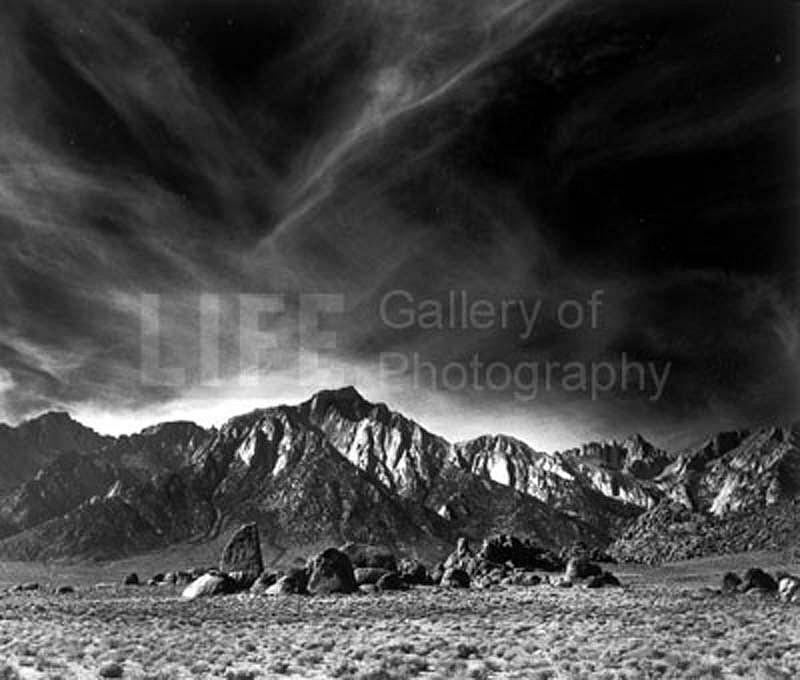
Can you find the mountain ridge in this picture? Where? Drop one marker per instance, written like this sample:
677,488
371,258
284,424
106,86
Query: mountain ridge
338,467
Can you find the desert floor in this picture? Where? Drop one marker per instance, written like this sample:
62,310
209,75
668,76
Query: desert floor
665,623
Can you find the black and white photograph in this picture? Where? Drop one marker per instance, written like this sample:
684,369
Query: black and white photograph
395,339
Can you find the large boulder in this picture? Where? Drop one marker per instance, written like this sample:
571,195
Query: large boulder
580,568
209,585
331,572
454,577
759,579
391,581
242,555
731,582
369,575
414,572
366,556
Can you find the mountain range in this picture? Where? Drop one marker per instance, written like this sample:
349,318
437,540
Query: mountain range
339,468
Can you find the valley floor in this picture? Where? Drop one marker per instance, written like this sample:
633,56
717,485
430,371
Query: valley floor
663,624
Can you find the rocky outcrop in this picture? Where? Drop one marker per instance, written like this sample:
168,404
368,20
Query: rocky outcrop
242,554
209,585
738,492
331,572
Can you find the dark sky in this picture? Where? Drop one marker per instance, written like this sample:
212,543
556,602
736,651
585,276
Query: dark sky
511,150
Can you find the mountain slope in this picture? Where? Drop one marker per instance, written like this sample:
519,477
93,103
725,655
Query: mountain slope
737,492
24,449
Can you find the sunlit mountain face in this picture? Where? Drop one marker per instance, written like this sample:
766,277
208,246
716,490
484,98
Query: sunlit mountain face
481,211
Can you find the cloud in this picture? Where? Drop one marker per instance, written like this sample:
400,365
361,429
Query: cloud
189,149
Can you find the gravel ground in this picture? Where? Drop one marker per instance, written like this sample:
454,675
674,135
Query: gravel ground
646,630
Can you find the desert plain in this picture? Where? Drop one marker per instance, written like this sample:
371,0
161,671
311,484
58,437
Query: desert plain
665,622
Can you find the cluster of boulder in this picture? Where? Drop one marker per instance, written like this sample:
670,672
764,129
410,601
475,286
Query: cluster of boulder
671,532
354,567
507,560
758,582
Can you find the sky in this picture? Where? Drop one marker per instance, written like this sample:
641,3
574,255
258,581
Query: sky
209,206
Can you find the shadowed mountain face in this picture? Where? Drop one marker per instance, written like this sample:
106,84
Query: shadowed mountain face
337,468
38,442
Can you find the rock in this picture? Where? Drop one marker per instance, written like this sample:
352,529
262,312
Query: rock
27,586
579,568
462,558
518,554
242,555
560,582
111,670
242,579
368,589
391,581
731,583
436,573
365,556
455,578
330,572
64,590
131,579
758,578
414,572
209,585
264,581
603,580
156,579
369,575
789,589
524,578
292,583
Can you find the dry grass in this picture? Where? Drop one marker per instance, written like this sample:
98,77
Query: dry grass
644,631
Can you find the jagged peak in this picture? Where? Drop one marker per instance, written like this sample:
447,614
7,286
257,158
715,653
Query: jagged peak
492,441
170,427
347,400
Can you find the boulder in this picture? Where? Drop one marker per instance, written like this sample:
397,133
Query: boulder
209,585
330,572
156,579
731,582
789,589
242,555
391,581
603,580
756,578
524,578
462,558
264,581
131,579
368,589
64,590
560,582
436,573
518,553
27,586
454,577
579,568
294,582
365,556
413,572
369,575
